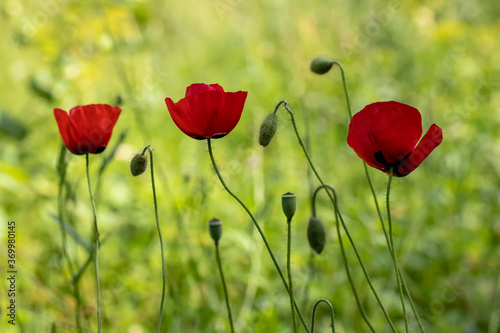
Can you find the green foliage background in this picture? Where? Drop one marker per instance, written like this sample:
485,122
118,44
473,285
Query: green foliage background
439,56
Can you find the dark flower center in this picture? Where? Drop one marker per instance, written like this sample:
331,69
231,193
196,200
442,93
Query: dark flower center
379,157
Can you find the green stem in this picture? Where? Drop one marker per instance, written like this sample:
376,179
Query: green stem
310,276
349,110
289,270
345,87
163,268
389,247
96,248
341,219
228,306
342,249
495,312
332,314
61,172
259,229
394,256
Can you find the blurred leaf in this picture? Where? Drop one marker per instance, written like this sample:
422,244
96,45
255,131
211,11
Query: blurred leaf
73,233
41,91
12,127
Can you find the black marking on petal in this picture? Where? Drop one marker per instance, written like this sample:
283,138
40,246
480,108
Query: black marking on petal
100,150
379,157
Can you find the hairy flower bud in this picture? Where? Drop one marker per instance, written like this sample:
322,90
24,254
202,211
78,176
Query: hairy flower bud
316,234
268,129
289,203
321,65
139,164
215,229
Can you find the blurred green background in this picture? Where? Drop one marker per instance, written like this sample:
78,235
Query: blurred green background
439,56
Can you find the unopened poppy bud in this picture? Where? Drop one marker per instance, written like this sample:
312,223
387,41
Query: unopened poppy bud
268,129
289,203
215,229
139,164
321,65
316,234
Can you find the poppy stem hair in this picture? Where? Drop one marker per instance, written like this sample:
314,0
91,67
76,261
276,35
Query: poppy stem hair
97,245
311,164
393,252
163,268
259,229
215,229
332,313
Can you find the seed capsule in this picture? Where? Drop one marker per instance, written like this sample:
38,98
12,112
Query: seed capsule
215,229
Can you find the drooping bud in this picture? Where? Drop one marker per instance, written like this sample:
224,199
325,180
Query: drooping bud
138,164
268,129
289,203
316,234
215,229
321,65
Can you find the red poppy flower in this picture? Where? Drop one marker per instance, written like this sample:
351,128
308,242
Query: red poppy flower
88,128
207,111
385,135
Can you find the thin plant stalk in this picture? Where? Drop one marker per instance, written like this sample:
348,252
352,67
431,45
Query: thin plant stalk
96,247
163,268
289,271
338,216
61,172
379,212
223,281
495,312
332,314
348,101
259,229
285,103
394,257
310,276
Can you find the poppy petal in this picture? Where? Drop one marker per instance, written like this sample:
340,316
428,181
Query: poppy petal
395,129
198,88
180,119
427,144
228,114
92,126
63,124
88,128
207,111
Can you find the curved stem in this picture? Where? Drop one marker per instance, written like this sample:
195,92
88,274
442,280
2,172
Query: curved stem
341,219
96,248
345,87
163,269
229,315
259,229
394,256
332,314
289,270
